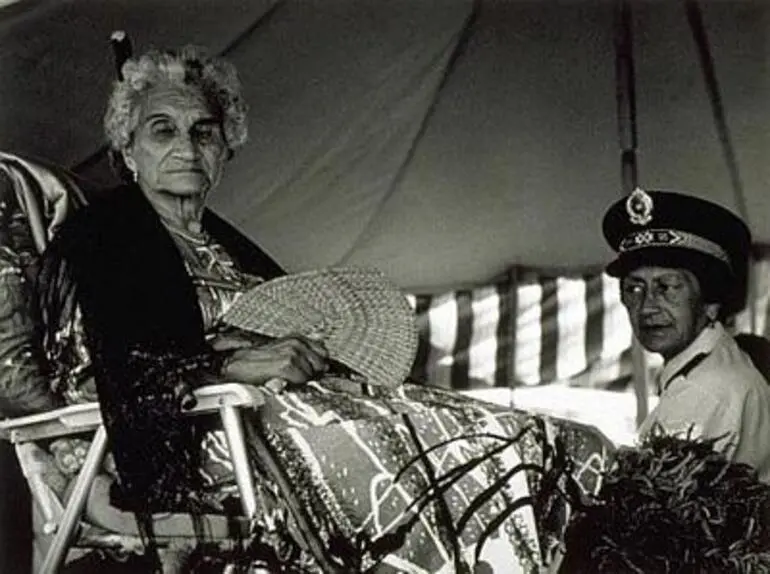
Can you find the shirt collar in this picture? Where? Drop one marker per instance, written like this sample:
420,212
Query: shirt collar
704,343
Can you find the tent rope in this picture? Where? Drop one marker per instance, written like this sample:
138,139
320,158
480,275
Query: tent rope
695,19
698,27
460,45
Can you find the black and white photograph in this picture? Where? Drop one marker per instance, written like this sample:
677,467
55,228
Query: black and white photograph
385,286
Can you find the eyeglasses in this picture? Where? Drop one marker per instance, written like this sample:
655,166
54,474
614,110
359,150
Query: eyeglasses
634,292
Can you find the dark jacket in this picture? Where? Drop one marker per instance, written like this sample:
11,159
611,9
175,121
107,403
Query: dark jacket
144,331
24,370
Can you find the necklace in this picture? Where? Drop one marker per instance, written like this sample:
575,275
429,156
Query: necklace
197,238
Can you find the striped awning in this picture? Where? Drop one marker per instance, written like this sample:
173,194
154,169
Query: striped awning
526,329
530,328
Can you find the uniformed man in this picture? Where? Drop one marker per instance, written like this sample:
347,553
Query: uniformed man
682,262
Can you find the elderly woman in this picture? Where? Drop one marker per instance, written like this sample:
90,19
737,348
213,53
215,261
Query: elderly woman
133,290
146,275
682,263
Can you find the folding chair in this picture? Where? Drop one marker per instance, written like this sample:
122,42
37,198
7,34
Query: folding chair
42,197
62,523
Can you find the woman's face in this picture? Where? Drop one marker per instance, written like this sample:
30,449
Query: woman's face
665,307
178,146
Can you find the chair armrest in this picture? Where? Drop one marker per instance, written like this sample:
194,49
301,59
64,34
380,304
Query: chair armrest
60,422
214,397
76,419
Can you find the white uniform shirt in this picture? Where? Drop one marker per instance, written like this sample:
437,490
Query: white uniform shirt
713,387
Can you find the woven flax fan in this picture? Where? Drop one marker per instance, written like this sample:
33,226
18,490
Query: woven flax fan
362,317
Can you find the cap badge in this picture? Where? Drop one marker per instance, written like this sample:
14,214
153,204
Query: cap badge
639,207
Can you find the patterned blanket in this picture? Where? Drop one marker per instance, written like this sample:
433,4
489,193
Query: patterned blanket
416,479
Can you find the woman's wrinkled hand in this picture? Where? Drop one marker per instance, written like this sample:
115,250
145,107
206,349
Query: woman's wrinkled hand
231,339
296,360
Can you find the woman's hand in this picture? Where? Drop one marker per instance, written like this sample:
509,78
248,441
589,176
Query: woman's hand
233,339
296,360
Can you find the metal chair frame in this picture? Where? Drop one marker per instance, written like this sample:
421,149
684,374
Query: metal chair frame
228,399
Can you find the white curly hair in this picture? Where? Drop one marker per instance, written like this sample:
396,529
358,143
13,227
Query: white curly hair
216,78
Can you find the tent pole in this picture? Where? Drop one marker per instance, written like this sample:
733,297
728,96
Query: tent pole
626,109
625,96
752,291
641,381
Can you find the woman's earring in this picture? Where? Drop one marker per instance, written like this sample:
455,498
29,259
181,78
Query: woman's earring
131,166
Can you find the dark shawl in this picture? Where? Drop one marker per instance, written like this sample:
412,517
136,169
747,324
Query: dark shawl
145,333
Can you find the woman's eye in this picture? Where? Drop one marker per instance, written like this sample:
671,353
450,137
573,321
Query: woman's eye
632,289
670,290
205,133
162,130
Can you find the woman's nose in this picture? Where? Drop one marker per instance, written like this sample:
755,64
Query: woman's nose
185,146
651,300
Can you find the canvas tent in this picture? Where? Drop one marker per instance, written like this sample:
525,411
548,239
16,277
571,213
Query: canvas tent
466,147
444,140
455,144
